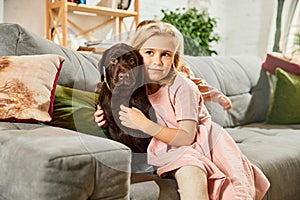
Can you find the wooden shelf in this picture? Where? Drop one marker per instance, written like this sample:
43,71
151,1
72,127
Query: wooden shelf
101,10
57,16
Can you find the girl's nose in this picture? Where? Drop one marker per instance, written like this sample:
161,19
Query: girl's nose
157,60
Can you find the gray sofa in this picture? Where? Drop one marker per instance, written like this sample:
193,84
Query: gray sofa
43,161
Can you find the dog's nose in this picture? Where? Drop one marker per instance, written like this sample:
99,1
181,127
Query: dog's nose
126,75
120,76
123,76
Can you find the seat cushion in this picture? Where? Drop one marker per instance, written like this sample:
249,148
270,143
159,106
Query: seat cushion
275,149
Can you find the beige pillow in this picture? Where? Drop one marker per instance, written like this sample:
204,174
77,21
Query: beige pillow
27,87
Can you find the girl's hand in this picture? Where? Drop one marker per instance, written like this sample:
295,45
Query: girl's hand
225,102
133,118
100,117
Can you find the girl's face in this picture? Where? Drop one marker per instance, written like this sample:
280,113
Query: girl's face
158,55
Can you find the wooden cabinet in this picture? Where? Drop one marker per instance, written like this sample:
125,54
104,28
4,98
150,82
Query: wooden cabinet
57,16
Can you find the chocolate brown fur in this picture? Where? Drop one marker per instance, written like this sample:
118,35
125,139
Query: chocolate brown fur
122,76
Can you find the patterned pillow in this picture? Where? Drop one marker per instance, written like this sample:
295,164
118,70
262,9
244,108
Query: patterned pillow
27,87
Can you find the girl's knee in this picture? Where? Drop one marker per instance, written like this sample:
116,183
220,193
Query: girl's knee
192,182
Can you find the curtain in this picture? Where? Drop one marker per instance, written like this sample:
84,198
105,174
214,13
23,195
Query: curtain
287,24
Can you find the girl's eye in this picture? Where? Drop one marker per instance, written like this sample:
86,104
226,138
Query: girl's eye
149,52
166,54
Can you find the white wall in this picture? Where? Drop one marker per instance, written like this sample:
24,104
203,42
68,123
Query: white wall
244,26
28,13
1,11
152,9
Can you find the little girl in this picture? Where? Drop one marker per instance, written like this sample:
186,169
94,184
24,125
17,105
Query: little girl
186,144
208,92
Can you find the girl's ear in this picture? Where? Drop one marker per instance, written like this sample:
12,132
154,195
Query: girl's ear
176,62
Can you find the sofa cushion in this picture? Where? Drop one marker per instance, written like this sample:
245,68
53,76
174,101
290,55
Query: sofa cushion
80,70
275,149
240,78
285,103
27,87
44,162
168,189
137,191
74,109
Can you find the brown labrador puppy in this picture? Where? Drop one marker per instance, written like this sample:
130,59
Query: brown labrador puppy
122,82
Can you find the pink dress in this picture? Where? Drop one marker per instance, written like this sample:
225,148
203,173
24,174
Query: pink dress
230,174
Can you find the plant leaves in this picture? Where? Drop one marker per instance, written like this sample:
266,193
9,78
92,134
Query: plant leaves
197,29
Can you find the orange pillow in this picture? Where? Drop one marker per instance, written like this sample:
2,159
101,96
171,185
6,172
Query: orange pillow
27,87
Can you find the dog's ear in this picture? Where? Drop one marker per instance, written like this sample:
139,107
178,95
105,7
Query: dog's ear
100,69
104,75
102,64
102,78
99,87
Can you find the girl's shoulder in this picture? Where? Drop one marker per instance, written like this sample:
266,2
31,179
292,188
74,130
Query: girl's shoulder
184,83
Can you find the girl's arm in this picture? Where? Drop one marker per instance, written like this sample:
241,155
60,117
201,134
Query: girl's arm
208,92
183,135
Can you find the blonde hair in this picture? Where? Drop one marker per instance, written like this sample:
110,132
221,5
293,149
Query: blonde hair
146,22
158,28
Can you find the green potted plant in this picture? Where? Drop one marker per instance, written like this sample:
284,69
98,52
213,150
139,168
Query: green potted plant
297,43
198,29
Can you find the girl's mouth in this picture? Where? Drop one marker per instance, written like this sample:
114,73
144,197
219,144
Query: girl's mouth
155,69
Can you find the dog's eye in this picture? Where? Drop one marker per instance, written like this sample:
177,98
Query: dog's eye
114,60
131,60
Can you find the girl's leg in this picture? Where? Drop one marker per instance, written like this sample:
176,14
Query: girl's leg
192,183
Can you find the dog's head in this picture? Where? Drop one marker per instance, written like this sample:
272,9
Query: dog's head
121,66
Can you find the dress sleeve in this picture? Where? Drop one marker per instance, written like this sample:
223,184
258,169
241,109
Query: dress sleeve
208,92
186,100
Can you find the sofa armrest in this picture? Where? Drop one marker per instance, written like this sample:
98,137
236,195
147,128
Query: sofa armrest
55,163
